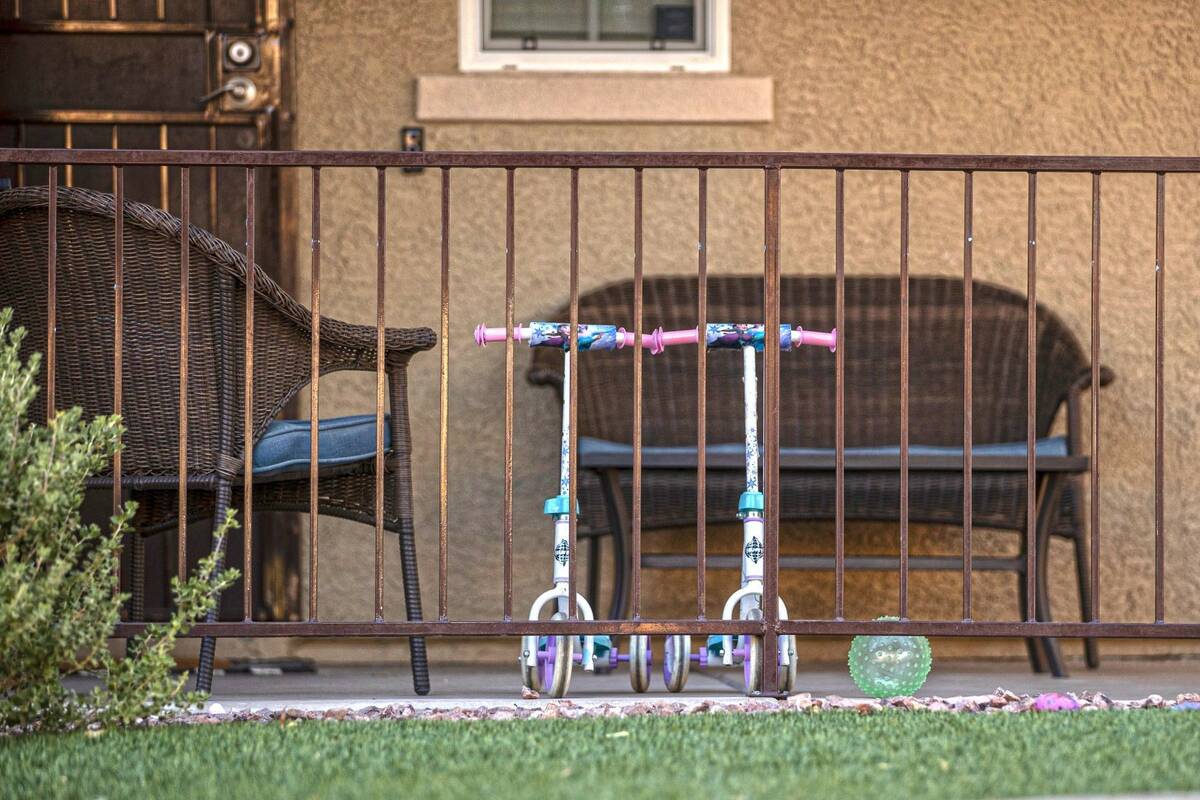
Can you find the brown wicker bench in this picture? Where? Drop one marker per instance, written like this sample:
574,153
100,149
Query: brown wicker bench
871,338
282,341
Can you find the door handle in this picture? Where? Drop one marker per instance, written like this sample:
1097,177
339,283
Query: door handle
241,90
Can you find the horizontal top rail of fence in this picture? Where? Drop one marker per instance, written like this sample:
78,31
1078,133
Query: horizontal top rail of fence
610,159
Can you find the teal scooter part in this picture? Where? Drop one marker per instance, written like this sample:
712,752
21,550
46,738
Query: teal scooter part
601,647
715,649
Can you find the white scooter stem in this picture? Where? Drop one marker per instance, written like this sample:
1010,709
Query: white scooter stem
562,564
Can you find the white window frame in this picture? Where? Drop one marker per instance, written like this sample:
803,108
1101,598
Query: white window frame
473,58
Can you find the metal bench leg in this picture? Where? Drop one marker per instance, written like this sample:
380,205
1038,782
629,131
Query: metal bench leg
1033,647
1046,512
1091,647
137,584
618,525
1083,580
593,569
412,606
208,645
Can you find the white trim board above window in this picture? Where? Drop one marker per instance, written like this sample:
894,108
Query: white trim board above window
664,99
594,35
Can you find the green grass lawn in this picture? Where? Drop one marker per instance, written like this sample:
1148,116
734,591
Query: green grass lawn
890,755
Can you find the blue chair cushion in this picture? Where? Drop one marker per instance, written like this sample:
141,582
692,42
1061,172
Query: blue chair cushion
1049,446
284,448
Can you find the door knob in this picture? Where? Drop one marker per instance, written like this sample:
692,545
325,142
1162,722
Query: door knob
242,91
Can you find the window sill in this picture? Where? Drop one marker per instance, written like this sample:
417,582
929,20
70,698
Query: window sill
670,98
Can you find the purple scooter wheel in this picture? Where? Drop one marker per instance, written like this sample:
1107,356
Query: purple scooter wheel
752,657
555,662
677,660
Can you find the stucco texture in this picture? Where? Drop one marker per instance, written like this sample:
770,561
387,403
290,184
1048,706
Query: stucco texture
958,77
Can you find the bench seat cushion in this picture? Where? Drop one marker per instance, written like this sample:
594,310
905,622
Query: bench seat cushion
669,494
1049,446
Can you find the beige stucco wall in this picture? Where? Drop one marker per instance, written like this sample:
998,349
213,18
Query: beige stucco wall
961,76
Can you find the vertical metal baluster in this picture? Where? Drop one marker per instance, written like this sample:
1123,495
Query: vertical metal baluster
118,335
1160,308
510,212
573,412
904,391
702,398
444,407
1094,612
636,527
164,177
212,182
839,529
20,129
1031,406
69,143
380,378
314,399
52,294
112,9
771,353
968,390
115,143
185,224
248,413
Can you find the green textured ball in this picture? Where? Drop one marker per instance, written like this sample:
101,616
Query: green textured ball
890,666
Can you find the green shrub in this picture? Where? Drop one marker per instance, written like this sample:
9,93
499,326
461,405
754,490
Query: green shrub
58,577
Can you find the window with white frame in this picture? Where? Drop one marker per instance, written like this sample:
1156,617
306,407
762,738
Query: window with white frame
594,35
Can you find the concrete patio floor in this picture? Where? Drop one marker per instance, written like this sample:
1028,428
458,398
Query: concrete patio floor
463,685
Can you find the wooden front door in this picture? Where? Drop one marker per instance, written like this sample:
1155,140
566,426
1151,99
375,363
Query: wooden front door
166,74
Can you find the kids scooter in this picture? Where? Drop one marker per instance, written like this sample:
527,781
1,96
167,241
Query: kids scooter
546,661
748,599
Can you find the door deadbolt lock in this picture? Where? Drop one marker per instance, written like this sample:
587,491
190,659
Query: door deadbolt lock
241,54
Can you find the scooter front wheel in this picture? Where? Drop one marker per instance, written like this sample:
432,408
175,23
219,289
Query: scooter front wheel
639,663
677,660
556,662
787,673
530,676
752,657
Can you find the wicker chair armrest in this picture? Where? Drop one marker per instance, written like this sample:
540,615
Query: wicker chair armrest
344,345
1084,381
1074,413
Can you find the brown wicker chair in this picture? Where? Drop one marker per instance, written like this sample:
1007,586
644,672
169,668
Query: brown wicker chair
84,375
871,338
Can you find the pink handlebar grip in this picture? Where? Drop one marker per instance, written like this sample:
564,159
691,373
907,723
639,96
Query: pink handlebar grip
484,334
819,338
691,336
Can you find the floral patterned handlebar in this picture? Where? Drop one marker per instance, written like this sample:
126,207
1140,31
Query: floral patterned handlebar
736,335
717,336
558,336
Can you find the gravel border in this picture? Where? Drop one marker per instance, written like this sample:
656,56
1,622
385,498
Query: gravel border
1001,701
